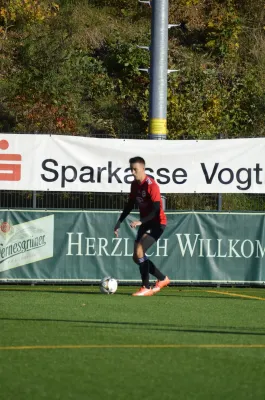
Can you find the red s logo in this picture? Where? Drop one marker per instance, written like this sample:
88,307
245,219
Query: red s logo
9,172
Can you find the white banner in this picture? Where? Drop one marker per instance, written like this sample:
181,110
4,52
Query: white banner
71,163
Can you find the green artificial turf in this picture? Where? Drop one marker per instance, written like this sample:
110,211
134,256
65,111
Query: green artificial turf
56,317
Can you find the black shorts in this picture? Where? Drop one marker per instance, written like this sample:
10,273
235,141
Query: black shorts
152,228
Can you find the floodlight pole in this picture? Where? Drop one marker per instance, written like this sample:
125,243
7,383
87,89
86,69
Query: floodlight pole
158,74
158,71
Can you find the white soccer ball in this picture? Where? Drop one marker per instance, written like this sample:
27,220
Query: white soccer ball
108,285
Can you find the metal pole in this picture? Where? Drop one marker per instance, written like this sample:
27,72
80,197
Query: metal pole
34,196
158,74
220,199
158,71
219,205
34,199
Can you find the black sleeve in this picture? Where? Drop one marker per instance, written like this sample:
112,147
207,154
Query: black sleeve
127,209
153,213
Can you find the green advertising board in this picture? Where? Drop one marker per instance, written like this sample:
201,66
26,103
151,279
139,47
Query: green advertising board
65,246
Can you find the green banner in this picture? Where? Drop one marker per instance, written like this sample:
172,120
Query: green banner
80,246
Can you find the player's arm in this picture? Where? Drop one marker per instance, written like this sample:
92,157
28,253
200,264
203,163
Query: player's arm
126,211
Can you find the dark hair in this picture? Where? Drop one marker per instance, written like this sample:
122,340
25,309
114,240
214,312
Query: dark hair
137,159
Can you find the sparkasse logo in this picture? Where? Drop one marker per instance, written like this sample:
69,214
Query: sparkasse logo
9,171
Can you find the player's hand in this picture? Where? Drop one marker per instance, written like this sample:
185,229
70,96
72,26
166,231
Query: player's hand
116,229
134,224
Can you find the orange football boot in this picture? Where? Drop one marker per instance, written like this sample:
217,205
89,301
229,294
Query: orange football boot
160,284
144,292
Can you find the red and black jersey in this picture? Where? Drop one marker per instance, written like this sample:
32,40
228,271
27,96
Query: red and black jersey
145,194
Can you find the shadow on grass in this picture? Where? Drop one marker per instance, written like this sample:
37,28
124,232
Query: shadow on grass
230,330
60,291
177,294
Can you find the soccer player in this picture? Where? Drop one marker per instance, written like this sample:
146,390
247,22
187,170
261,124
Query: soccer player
145,192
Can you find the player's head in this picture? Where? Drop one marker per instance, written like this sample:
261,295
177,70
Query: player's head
137,165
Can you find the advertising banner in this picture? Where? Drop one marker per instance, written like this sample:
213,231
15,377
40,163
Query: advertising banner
80,246
72,163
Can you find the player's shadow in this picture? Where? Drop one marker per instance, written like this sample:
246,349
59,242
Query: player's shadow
150,326
175,328
120,293
209,297
62,291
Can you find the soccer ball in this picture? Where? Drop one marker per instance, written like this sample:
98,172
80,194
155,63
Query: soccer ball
108,285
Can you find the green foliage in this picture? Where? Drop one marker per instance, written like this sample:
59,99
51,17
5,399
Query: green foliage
224,28
73,67
204,102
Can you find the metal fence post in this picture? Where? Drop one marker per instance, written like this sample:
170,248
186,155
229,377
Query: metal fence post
219,202
34,199
220,198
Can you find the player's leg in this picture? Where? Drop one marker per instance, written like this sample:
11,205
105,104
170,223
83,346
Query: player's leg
162,280
141,247
146,266
153,270
142,243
